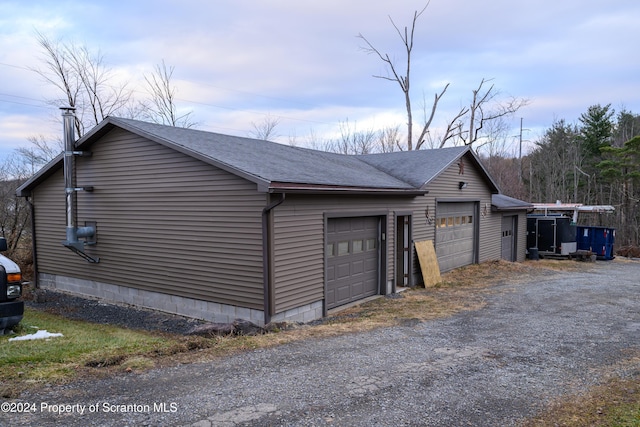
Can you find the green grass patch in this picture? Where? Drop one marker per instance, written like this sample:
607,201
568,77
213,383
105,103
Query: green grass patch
82,345
625,416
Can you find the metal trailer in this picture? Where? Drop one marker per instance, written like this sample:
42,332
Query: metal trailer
551,236
552,232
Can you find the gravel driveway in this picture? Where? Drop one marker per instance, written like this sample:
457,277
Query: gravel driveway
535,340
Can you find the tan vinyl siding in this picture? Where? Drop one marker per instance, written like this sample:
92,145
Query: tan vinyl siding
299,257
299,241
445,187
490,236
166,223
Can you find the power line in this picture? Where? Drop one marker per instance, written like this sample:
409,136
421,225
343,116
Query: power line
197,84
15,66
24,103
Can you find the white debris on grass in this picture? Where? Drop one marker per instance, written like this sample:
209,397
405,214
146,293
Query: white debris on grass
40,335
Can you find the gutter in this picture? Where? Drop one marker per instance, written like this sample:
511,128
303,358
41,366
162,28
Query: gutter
336,189
267,259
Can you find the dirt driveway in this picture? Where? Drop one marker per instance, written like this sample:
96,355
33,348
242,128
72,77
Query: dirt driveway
534,340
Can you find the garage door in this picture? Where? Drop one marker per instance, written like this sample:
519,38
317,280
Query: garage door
455,235
352,259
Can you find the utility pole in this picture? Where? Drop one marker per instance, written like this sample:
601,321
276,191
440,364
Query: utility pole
520,153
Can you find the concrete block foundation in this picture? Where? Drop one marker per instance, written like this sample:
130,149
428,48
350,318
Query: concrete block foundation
187,307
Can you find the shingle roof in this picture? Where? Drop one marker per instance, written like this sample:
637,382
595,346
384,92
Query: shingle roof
415,167
271,165
500,202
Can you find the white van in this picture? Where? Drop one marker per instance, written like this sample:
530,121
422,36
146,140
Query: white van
11,309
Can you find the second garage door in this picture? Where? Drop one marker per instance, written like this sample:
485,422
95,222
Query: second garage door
352,259
455,235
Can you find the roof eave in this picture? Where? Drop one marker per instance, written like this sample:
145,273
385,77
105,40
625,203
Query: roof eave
495,208
293,188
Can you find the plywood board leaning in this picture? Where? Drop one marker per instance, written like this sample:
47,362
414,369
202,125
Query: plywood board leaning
428,262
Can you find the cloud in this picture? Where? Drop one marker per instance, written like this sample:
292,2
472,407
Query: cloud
238,62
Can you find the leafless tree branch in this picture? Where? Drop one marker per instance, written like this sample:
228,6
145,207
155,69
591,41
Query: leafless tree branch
427,122
266,129
163,98
406,34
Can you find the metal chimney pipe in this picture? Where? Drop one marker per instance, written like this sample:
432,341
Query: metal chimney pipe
70,189
68,118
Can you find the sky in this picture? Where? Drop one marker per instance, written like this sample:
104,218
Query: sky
243,62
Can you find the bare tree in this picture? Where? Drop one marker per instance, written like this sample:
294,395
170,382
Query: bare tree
504,171
467,126
83,81
14,210
266,129
403,78
39,152
311,140
352,140
163,109
389,139
496,140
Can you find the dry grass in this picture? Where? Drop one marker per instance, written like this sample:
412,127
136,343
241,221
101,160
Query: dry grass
614,403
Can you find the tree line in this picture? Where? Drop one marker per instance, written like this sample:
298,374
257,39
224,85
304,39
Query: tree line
595,161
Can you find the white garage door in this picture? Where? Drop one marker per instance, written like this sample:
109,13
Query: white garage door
455,234
352,259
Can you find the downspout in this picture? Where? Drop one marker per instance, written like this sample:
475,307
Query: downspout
34,251
267,233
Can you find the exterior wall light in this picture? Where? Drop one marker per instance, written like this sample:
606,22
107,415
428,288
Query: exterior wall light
462,185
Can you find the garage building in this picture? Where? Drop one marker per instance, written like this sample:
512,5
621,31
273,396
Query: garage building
221,227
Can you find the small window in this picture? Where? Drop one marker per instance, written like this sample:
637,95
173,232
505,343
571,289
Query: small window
458,220
331,250
371,244
357,246
450,221
470,219
443,222
343,248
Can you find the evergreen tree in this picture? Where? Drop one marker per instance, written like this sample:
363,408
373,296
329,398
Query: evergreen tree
621,169
597,129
